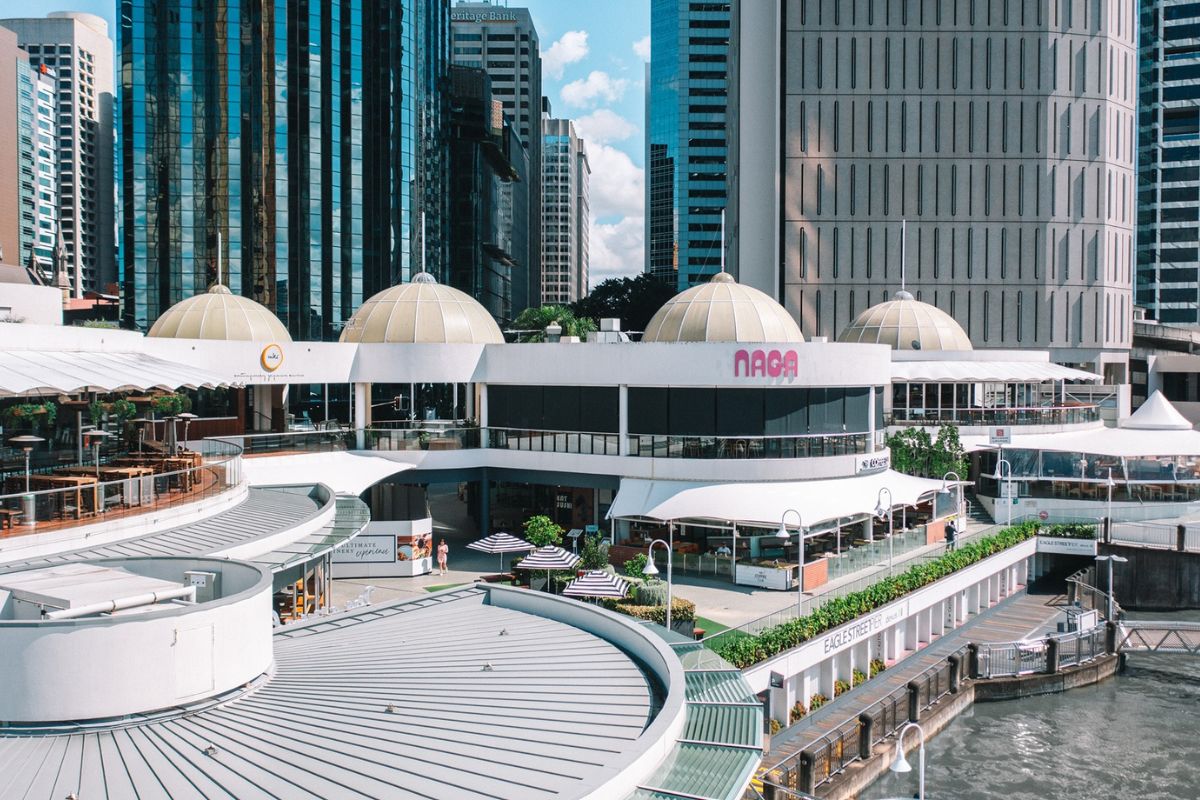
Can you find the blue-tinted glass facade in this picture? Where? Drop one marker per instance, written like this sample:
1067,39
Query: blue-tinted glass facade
686,143
1168,237
290,128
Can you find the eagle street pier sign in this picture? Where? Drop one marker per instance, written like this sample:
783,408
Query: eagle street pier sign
853,632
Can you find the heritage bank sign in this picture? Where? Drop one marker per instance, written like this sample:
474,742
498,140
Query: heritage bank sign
479,15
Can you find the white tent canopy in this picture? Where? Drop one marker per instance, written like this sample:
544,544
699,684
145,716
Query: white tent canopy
1157,414
765,503
40,372
986,371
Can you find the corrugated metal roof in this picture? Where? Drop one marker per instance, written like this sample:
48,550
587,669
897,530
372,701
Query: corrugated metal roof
442,697
351,515
718,687
264,512
701,771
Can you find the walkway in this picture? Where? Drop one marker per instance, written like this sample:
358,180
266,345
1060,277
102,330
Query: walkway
1017,617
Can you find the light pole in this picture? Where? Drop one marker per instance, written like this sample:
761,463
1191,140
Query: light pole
960,526
650,569
900,763
96,435
1000,475
1109,483
783,535
1110,560
880,510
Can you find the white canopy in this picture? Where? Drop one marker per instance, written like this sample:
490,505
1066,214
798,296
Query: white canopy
987,371
345,473
34,372
765,503
1157,414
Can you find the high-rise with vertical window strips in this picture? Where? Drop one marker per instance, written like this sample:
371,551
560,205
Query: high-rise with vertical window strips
686,139
305,138
1168,262
1003,134
565,221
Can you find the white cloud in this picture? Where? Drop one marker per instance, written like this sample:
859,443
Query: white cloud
642,48
617,186
616,250
570,48
604,125
595,87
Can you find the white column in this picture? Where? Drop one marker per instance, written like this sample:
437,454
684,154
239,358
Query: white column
924,626
483,414
912,636
623,420
937,619
826,678
362,413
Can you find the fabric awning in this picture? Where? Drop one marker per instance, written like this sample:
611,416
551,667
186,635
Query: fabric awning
40,372
990,371
1115,442
765,503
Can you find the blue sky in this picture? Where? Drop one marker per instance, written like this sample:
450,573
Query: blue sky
593,55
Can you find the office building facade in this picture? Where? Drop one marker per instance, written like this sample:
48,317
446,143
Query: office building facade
686,139
1168,264
297,147
485,155
77,51
504,42
1001,134
565,221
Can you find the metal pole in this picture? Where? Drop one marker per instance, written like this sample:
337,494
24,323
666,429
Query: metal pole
670,549
800,572
28,450
891,537
1110,588
1110,488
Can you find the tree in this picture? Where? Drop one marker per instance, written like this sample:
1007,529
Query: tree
594,553
915,452
632,300
542,531
535,320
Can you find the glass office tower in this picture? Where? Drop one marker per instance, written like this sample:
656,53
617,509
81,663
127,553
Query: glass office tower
1168,262
297,135
686,142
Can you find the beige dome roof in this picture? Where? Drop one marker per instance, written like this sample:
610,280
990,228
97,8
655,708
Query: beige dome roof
422,311
907,324
722,310
221,315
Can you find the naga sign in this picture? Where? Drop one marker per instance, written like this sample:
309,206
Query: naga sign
766,364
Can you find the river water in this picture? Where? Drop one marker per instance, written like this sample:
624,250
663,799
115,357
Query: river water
1136,735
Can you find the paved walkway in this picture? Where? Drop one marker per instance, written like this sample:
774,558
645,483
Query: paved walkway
1017,617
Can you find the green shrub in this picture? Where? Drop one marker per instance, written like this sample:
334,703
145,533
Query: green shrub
816,701
840,687
743,651
682,610
877,666
652,593
543,531
634,566
775,726
857,677
594,552
798,712
1069,530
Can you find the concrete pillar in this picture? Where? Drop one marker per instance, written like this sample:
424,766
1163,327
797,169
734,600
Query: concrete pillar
483,414
780,706
894,642
810,685
485,505
868,530
937,621
924,626
362,413
262,407
861,659
623,420
912,636
964,606
826,678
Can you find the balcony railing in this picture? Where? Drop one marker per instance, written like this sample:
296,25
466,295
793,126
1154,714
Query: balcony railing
583,442
1040,415
710,447
319,441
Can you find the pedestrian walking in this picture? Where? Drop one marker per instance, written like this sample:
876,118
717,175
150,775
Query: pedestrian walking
443,553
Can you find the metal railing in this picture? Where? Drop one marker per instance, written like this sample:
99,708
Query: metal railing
714,447
592,443
90,494
316,441
846,742
1034,656
1145,534
432,438
1030,415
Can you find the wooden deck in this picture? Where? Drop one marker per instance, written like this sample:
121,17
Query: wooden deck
1014,618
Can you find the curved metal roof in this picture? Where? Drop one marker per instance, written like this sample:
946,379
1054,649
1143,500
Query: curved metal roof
722,310
905,323
221,315
422,311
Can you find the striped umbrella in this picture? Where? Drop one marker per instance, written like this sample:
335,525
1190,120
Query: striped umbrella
501,543
549,558
597,583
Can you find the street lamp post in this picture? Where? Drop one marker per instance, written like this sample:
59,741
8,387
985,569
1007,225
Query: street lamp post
783,535
1109,483
1000,475
1110,559
900,763
960,526
880,510
650,569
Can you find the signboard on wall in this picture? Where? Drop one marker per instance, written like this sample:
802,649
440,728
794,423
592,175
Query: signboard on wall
1000,435
1068,547
874,463
367,549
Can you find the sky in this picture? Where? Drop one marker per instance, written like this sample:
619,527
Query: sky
592,70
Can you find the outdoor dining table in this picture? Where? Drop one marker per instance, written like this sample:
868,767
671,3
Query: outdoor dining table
78,482
136,478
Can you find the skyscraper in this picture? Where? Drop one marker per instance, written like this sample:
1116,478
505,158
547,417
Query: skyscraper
1003,133
686,144
504,42
1168,264
565,221
77,50
304,139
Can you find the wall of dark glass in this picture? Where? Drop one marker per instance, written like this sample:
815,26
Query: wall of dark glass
554,408
750,412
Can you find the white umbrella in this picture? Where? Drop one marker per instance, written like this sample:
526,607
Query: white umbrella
549,558
501,543
597,583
